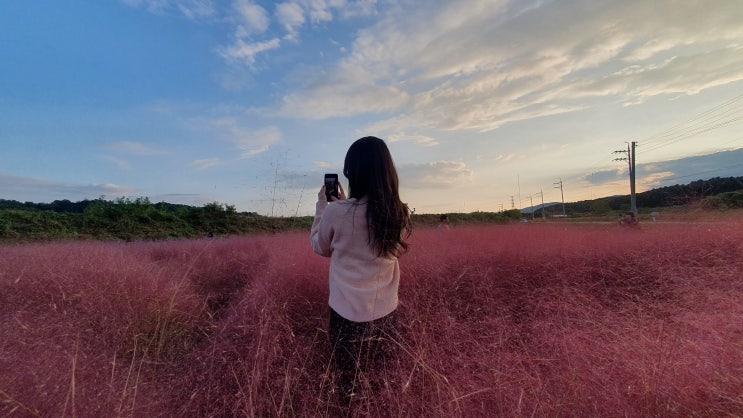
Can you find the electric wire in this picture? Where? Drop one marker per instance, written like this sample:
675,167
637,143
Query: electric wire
719,116
722,115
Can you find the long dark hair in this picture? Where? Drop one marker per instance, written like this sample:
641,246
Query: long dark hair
371,173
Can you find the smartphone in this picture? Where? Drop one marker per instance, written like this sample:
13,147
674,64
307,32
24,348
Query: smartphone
331,186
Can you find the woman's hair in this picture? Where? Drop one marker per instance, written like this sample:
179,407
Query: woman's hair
371,174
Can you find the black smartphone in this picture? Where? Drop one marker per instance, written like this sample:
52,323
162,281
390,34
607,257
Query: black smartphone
331,186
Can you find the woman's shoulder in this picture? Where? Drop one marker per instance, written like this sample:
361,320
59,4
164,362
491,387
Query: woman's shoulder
345,205
351,201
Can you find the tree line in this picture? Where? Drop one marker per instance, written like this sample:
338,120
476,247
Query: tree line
139,219
131,219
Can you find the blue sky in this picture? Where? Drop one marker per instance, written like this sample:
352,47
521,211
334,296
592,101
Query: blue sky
248,103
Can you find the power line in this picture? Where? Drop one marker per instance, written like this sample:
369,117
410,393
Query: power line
719,116
695,119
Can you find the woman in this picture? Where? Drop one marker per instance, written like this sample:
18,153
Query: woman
363,236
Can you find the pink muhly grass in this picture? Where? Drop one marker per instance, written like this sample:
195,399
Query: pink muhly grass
521,320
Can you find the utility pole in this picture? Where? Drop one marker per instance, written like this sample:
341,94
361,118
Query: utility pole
542,196
531,205
633,195
512,206
559,184
631,147
518,181
275,183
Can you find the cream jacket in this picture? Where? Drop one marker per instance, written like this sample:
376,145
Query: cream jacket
363,286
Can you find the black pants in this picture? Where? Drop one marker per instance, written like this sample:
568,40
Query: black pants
360,349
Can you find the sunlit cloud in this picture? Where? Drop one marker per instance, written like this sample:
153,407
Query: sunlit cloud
438,174
443,63
422,140
654,180
351,91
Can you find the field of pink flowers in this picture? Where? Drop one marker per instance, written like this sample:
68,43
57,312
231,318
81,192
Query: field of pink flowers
519,320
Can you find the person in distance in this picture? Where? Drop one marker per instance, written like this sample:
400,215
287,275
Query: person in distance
363,235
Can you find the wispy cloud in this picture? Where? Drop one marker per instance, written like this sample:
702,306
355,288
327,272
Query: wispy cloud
133,148
39,190
121,164
472,65
248,141
203,164
422,140
191,9
242,51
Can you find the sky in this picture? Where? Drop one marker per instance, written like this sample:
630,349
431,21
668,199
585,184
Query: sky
485,105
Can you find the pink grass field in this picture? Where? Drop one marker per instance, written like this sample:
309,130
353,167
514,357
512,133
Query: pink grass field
521,320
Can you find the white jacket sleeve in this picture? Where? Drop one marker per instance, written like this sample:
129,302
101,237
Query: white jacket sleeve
321,234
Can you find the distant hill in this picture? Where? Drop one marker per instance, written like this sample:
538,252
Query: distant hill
679,194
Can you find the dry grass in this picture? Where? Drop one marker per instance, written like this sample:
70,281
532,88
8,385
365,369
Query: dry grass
523,320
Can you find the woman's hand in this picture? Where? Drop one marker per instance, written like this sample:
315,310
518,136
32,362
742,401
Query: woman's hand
341,193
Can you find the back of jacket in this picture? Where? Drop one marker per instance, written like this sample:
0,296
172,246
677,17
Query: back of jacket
363,286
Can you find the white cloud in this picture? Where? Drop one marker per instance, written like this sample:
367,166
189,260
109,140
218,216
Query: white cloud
321,164
246,52
252,17
320,10
351,90
438,174
291,17
480,64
